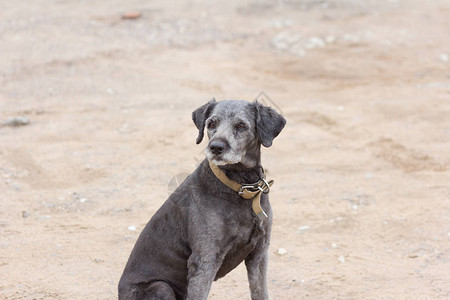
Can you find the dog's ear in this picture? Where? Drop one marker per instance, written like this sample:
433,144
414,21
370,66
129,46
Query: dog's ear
269,123
200,115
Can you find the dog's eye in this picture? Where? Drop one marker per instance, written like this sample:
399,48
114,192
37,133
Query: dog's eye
212,124
241,125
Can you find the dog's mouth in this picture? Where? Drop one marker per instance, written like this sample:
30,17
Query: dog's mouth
220,152
219,162
222,159
216,159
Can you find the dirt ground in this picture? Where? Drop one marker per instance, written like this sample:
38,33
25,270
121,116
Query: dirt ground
362,169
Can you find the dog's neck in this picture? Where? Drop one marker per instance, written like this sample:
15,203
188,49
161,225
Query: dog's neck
249,170
239,173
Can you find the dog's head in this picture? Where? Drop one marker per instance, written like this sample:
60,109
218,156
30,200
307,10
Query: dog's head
236,129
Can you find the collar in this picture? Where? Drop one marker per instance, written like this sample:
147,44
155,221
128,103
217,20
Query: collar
247,191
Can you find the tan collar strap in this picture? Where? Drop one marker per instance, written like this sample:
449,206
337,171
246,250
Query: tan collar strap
246,191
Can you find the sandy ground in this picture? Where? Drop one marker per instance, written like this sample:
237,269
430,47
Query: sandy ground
361,197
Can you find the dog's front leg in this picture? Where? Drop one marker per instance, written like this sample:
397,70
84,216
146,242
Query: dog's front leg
201,272
256,264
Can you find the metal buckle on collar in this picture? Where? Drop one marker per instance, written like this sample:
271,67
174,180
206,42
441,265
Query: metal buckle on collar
265,188
262,185
250,187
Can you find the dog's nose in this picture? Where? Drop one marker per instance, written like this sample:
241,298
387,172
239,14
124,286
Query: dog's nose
217,147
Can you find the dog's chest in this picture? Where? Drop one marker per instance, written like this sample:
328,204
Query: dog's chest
243,244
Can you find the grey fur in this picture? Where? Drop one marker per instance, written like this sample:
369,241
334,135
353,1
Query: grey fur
205,229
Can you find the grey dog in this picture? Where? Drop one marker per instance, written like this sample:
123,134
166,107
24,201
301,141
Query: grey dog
205,229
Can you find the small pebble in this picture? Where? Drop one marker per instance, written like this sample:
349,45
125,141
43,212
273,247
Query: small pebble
330,39
300,52
132,228
131,15
333,245
351,38
17,121
282,251
281,23
368,34
25,214
315,42
443,57
303,228
83,200
341,259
